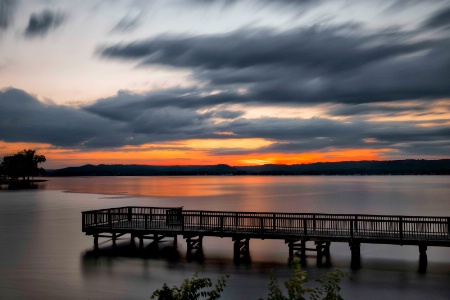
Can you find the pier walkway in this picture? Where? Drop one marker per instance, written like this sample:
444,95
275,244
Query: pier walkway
296,229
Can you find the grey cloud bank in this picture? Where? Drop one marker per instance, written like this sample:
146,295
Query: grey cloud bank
341,64
129,120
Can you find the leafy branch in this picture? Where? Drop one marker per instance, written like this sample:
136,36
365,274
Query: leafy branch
192,289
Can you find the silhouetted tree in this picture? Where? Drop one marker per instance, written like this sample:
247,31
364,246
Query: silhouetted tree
23,164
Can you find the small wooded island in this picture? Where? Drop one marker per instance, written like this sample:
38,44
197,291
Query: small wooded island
17,170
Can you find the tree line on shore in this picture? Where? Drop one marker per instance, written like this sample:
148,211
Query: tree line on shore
394,167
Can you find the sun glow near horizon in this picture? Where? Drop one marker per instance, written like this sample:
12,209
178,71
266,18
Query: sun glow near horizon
184,154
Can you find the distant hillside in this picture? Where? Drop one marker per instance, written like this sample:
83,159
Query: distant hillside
394,167
142,170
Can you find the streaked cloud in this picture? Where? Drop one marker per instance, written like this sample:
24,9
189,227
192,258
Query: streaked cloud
441,19
41,23
7,11
338,64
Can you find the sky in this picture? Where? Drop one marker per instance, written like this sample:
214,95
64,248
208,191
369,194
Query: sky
240,82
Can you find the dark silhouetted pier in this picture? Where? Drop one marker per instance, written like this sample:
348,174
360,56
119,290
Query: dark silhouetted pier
296,229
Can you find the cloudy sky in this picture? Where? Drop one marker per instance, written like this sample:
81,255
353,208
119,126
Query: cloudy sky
241,82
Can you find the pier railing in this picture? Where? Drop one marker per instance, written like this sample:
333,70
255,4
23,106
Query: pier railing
268,225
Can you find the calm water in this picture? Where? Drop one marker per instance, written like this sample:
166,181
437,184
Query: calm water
44,254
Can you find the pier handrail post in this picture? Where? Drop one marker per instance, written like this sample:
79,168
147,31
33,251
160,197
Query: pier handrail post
356,223
314,222
261,223
274,225
221,223
182,222
400,227
130,213
305,227
146,221
448,226
109,219
95,218
351,229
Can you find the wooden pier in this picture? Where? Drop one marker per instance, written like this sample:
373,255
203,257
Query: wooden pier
296,229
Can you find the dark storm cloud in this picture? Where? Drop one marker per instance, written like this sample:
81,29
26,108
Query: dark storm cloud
439,20
41,23
317,134
340,64
395,133
171,114
420,149
130,119
126,106
289,129
7,10
327,49
294,135
228,114
379,109
24,118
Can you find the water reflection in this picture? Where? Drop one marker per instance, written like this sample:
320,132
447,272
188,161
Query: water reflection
46,256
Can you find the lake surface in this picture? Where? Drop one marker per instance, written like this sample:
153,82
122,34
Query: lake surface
44,254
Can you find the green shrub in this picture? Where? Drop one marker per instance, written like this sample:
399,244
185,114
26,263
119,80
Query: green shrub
328,288
192,289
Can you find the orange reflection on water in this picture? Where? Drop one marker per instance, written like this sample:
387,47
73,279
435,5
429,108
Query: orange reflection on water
158,186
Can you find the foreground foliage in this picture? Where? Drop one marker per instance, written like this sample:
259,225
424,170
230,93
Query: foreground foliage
328,288
194,288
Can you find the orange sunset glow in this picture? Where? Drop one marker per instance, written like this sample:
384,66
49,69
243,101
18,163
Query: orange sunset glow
145,155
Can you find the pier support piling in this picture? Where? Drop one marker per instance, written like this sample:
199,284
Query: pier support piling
114,238
423,261
141,243
153,248
323,251
297,248
355,248
194,247
132,242
241,249
175,241
96,242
